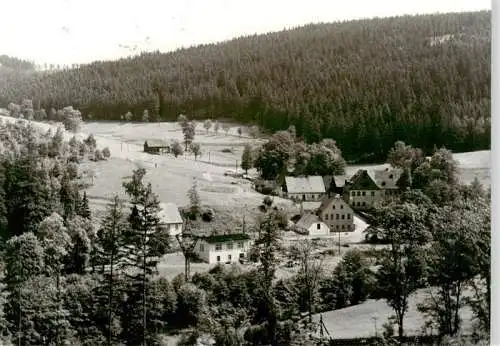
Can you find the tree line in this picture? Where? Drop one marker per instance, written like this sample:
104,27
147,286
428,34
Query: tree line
366,83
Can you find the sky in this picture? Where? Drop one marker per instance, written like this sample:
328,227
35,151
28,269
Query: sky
81,31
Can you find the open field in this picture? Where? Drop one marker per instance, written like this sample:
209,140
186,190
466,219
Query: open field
171,177
358,321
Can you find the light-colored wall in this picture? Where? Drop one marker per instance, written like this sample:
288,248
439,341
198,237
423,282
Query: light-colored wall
208,252
359,201
370,198
323,229
338,216
173,228
308,196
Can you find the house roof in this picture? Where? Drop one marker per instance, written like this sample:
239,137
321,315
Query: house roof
386,178
307,220
221,238
169,213
310,184
327,180
325,202
340,180
157,143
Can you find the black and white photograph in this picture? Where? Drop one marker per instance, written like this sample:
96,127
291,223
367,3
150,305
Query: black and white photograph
237,173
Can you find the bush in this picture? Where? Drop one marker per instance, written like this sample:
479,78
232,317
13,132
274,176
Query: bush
208,215
106,152
98,156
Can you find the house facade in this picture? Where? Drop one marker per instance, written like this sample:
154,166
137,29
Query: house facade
368,187
156,146
311,225
170,219
337,214
305,189
224,248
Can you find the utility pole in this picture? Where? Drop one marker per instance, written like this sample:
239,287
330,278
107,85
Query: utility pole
374,319
339,242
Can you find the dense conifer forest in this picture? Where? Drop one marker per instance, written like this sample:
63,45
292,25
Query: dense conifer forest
421,79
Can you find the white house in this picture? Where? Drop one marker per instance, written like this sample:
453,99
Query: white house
170,218
311,188
311,225
223,248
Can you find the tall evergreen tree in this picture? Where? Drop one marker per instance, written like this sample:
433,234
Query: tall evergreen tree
144,229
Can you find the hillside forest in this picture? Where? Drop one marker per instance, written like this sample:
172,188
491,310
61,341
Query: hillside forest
423,79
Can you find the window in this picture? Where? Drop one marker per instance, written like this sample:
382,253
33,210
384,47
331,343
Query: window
373,193
242,255
364,203
343,216
364,193
341,206
343,226
348,216
390,176
333,207
337,227
218,258
218,247
240,244
337,216
229,246
326,217
383,183
359,193
318,226
202,248
353,193
229,258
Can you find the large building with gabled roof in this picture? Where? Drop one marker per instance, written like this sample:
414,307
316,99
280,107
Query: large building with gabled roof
369,186
310,188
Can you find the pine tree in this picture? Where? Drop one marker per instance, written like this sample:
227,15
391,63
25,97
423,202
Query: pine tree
144,229
194,200
111,239
246,158
83,207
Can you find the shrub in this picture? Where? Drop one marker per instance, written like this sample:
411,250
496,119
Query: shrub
106,152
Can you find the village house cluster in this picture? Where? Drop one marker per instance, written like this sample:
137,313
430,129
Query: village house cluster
328,206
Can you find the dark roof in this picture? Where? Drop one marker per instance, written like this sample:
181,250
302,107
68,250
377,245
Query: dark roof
221,238
157,143
327,179
380,178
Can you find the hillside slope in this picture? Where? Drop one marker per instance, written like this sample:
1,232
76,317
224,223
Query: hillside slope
366,83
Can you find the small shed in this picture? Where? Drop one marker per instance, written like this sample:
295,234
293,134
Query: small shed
312,225
156,146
